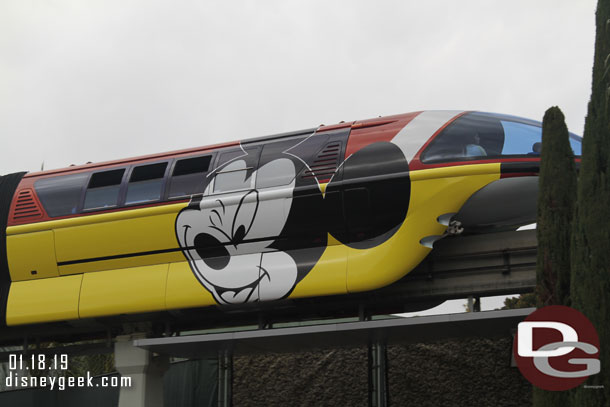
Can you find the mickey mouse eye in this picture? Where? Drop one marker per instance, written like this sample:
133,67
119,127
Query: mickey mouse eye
239,235
244,216
211,251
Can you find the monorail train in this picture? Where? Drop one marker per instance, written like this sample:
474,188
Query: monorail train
331,210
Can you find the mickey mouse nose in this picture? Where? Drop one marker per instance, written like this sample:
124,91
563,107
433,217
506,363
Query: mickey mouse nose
211,251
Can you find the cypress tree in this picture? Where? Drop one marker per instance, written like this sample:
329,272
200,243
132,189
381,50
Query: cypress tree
556,200
590,283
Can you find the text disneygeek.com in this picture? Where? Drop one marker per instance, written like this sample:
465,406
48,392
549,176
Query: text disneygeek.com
15,381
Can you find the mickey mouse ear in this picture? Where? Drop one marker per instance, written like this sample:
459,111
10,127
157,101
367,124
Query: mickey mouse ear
376,193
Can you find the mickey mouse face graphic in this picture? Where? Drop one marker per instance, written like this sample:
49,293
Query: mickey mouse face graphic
255,234
226,238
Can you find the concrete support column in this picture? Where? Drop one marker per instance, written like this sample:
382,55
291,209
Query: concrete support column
474,304
378,373
225,378
146,372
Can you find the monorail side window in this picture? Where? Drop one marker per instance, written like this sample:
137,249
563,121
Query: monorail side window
236,170
524,139
103,189
145,183
520,138
470,137
279,168
188,177
234,177
60,196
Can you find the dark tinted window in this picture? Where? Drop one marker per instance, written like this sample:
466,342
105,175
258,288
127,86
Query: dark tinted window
519,138
103,189
188,177
230,156
233,177
482,135
148,172
145,183
275,166
471,136
60,196
236,170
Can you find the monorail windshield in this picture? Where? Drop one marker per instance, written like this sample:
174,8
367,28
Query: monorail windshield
479,136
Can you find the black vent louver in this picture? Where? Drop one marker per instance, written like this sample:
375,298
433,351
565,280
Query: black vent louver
325,164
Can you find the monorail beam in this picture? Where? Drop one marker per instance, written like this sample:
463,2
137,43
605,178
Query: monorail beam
478,266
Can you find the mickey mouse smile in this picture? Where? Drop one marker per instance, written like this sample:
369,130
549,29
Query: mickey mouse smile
227,240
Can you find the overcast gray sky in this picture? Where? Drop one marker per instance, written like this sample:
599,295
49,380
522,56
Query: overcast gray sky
98,80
